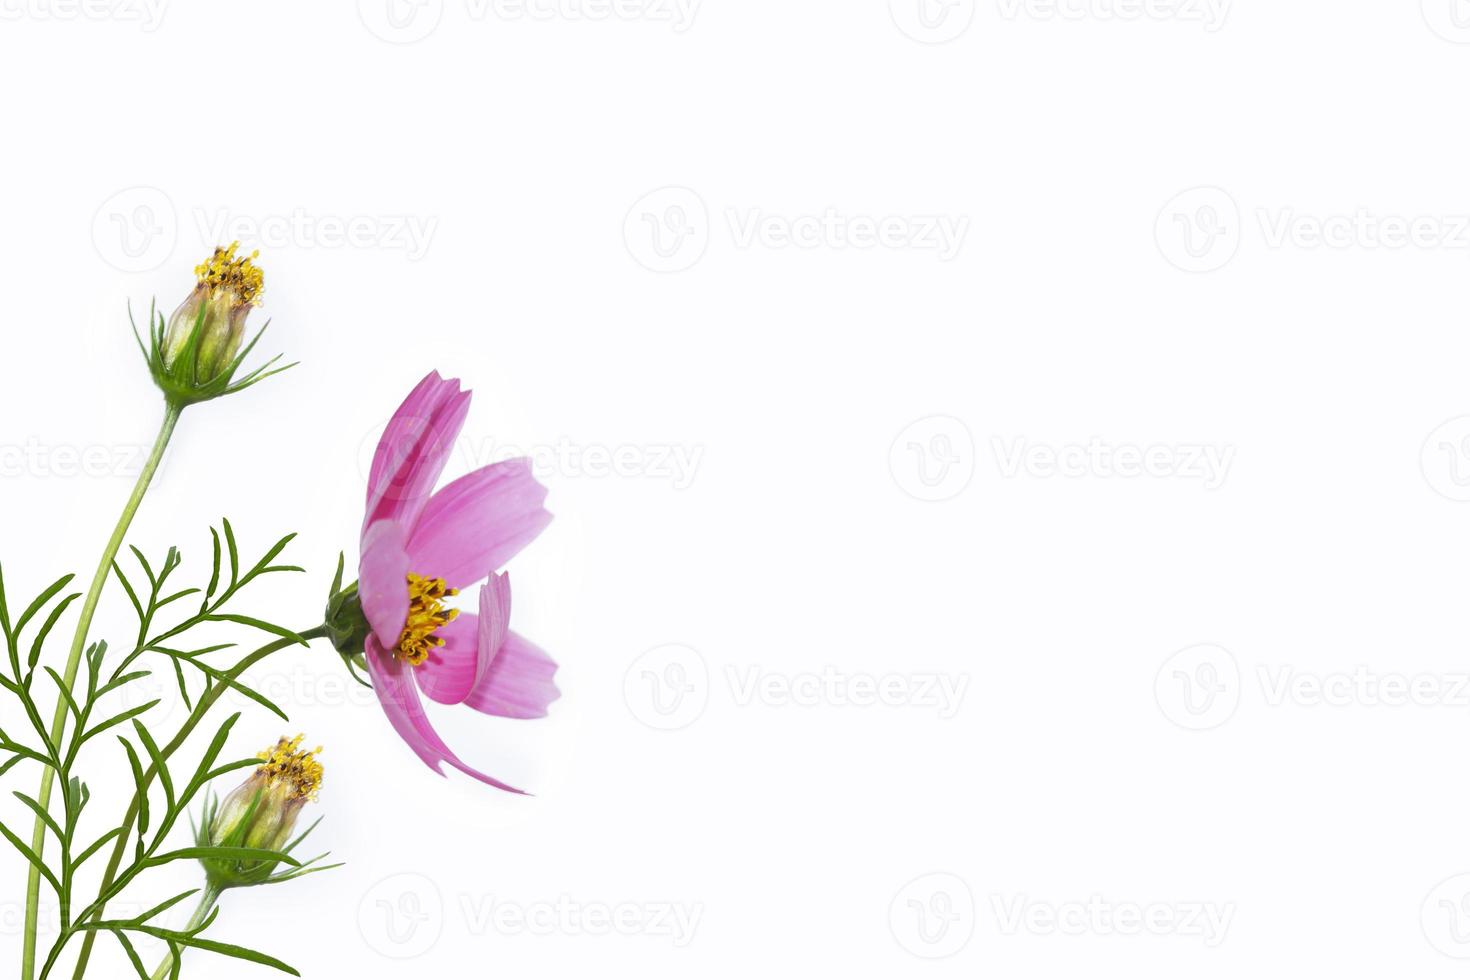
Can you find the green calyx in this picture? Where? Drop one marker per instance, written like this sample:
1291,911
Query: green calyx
247,842
346,624
196,358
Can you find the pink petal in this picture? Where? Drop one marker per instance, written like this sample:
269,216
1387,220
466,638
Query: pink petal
494,620
383,581
394,692
413,450
450,672
388,457
400,700
479,522
470,645
519,684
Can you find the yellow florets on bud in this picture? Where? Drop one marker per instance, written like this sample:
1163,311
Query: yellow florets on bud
223,270
298,771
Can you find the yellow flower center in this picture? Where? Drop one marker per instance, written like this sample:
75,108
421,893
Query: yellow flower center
298,770
426,614
223,270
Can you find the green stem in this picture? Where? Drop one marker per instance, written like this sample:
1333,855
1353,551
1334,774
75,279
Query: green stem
207,902
78,644
119,848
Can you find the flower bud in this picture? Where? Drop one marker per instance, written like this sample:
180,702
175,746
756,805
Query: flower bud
214,314
195,353
261,813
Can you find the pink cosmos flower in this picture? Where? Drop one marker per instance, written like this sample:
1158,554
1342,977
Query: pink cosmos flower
419,547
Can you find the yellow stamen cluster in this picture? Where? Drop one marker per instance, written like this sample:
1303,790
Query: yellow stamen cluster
426,614
223,270
298,770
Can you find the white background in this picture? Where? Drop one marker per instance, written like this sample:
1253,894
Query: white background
1183,232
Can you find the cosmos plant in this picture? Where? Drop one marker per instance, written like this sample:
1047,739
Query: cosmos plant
397,628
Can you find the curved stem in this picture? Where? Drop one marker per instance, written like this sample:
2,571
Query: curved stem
119,848
207,902
78,644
